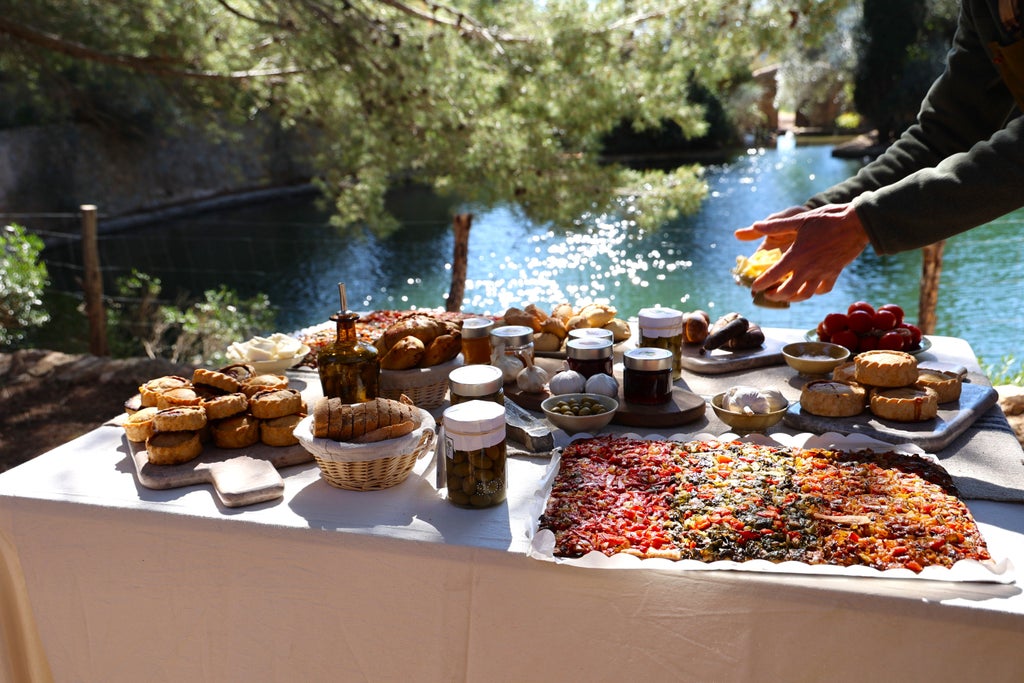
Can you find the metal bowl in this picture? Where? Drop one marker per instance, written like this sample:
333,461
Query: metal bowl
745,422
814,357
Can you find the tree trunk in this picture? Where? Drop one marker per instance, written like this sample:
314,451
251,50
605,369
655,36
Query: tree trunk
460,259
931,270
93,284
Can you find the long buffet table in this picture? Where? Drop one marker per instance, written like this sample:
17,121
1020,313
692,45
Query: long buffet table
104,580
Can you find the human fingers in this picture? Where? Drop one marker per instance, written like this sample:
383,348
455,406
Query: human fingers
771,225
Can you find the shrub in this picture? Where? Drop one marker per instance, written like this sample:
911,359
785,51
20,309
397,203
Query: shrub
22,280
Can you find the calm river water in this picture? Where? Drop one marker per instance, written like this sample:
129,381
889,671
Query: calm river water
287,250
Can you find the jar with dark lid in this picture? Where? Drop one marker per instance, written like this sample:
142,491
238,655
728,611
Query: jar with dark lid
475,454
515,343
647,376
589,356
480,382
476,341
593,332
663,328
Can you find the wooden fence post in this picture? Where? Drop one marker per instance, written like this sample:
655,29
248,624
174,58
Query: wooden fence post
460,259
931,271
92,284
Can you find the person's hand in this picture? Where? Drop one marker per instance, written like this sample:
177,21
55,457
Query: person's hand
821,242
780,240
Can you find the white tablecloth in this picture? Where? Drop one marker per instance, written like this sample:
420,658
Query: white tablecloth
104,580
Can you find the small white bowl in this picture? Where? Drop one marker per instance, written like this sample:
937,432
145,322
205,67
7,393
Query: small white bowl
276,366
574,424
814,357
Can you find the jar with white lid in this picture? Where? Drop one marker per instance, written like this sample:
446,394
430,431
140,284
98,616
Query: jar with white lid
480,382
475,454
662,328
476,340
589,356
511,349
647,376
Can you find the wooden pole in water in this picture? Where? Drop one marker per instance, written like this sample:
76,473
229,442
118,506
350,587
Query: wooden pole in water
92,284
460,260
931,271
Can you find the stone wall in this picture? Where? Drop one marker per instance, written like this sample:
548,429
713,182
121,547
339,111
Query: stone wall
56,169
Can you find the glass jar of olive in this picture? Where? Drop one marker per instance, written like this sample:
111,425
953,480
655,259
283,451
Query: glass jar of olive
475,455
662,328
482,382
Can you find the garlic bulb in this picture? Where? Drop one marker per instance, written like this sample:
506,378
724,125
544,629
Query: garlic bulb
510,367
567,382
753,401
603,384
532,379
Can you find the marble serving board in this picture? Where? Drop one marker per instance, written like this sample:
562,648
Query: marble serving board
721,361
931,435
239,477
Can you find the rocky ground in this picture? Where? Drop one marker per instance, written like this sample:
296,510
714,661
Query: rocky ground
49,398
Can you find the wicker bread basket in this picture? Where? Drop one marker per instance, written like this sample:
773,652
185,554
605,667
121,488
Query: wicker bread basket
425,387
367,466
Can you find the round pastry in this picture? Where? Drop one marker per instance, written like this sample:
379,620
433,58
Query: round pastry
259,383
272,403
882,368
173,448
280,430
845,372
213,378
219,407
139,425
180,419
905,404
184,396
236,432
134,404
239,371
829,398
154,387
947,385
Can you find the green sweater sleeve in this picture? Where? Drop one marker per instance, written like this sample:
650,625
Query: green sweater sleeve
961,164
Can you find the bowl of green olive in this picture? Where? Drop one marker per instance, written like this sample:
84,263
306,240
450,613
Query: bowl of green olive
575,413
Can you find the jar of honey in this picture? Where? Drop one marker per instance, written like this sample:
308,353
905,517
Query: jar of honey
476,341
662,328
647,376
589,356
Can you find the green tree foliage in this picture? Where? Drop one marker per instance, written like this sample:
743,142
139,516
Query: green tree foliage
22,280
196,332
901,49
486,101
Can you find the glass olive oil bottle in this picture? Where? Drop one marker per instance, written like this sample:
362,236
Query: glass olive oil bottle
349,368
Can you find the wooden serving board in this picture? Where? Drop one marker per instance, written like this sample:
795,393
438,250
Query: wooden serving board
239,477
721,361
685,407
932,435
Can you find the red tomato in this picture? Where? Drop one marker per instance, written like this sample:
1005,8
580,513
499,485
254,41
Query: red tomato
896,310
860,321
847,338
861,306
868,342
835,322
891,341
884,319
915,333
823,334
